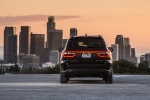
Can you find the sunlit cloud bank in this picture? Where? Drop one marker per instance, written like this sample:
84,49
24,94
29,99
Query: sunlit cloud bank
15,20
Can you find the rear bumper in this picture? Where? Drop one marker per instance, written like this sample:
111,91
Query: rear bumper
86,70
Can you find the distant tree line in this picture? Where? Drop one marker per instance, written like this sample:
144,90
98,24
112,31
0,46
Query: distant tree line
16,70
119,67
127,67
47,70
13,69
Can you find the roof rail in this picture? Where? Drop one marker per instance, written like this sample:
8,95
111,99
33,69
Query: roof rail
96,35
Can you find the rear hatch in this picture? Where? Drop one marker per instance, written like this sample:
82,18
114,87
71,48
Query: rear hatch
86,50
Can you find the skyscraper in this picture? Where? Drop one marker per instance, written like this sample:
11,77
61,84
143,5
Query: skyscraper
73,32
51,23
115,52
10,45
37,46
133,57
12,49
127,48
46,55
133,52
142,58
55,39
147,57
120,41
50,26
24,40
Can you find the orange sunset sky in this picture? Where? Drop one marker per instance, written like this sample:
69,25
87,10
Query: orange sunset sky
131,18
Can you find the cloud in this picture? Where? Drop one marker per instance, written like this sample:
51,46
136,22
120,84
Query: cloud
9,20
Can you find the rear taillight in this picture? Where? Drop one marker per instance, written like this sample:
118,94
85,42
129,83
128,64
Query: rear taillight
104,54
68,54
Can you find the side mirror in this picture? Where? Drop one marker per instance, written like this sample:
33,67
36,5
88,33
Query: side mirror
110,48
61,49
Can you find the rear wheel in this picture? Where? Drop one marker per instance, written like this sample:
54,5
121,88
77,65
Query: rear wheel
63,79
109,79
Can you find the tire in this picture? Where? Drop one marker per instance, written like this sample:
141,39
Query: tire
63,79
109,79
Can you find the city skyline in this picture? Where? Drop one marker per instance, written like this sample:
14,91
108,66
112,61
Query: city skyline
107,18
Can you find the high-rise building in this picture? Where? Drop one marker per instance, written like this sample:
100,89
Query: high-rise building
133,57
50,26
73,32
55,39
30,61
54,57
147,57
10,45
142,58
37,46
12,49
133,52
115,52
120,41
24,40
127,48
46,55
51,23
54,36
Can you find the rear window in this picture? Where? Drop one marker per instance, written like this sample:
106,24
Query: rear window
91,43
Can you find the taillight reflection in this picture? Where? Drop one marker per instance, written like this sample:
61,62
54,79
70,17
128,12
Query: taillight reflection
104,54
68,54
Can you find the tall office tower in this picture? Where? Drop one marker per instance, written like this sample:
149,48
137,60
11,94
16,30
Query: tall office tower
120,41
46,55
115,53
51,23
50,26
24,40
133,58
73,32
10,45
37,46
142,58
127,48
133,52
55,39
12,49
147,57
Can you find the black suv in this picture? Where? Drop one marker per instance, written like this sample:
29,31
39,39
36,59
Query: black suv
86,56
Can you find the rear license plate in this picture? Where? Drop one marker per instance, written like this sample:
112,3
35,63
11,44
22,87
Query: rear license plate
86,55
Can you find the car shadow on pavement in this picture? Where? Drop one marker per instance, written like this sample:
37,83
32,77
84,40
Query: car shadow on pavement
86,81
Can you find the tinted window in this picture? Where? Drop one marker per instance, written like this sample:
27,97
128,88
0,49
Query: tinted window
91,43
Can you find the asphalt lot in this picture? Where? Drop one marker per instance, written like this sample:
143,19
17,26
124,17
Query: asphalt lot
47,87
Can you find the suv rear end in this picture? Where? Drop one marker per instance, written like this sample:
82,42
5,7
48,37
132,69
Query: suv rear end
86,56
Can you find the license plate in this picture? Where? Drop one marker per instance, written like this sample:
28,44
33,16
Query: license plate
86,55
